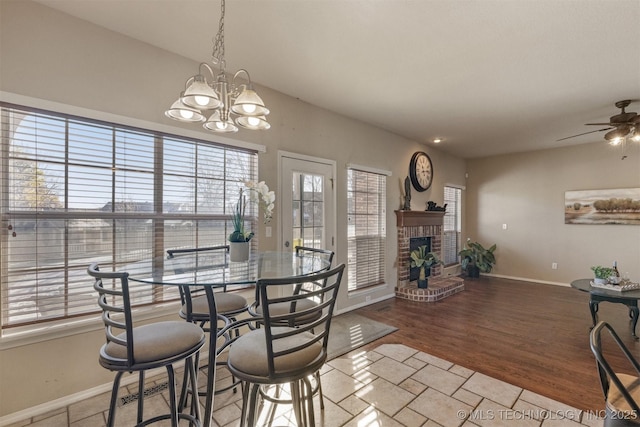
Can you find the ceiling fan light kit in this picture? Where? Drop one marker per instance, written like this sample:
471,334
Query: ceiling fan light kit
218,98
622,127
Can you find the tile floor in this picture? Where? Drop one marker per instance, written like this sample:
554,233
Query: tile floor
392,385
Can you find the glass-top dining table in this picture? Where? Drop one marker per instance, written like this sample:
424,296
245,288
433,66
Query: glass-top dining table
213,270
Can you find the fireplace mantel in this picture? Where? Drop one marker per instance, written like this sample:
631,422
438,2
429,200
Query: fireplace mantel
418,218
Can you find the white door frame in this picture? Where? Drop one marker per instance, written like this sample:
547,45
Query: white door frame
331,240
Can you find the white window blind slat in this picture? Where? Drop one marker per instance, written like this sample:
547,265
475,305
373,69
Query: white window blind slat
74,191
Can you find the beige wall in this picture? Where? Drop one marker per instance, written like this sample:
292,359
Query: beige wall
526,192
52,56
48,55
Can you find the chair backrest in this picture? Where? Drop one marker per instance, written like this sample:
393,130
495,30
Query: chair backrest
171,253
316,252
324,253
114,300
282,342
206,256
608,377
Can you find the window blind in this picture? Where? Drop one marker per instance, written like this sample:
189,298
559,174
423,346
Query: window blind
452,225
75,190
366,210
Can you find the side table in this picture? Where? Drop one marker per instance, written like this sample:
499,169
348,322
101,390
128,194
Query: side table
598,295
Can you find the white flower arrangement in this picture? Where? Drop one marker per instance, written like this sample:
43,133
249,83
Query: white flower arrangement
258,193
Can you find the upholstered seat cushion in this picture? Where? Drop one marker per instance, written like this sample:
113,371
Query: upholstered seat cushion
225,303
249,353
280,308
158,341
617,403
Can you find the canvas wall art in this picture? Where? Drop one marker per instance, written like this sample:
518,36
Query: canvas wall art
614,206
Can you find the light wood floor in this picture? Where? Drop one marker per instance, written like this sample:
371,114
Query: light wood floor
531,335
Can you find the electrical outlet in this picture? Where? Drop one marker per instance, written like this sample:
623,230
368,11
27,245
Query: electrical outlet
367,298
554,265
504,226
267,231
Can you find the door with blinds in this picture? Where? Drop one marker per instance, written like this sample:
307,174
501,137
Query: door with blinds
307,202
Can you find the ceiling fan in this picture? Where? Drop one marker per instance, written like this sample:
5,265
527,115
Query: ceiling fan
619,126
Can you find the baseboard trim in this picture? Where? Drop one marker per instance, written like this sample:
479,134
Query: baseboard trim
364,304
528,279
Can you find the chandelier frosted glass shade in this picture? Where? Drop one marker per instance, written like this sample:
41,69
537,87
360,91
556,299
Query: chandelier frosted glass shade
216,124
183,113
248,103
200,95
253,122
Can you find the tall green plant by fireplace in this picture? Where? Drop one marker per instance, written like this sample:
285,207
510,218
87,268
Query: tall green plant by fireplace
423,260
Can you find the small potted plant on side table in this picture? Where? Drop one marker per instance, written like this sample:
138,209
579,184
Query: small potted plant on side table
423,260
601,274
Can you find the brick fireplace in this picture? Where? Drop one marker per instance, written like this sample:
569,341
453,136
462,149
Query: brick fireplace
424,225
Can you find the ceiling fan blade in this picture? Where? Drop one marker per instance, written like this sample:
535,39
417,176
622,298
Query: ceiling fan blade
598,124
585,133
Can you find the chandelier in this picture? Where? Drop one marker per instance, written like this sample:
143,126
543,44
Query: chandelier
227,105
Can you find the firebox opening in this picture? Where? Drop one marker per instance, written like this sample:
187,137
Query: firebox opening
415,243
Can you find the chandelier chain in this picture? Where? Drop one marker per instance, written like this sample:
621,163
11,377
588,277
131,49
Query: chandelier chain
218,44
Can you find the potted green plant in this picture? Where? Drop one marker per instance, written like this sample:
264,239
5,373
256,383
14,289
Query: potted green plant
475,258
239,237
423,260
601,273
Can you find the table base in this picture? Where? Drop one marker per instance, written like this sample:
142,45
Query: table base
594,300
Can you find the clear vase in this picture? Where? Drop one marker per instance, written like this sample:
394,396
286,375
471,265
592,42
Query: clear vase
238,251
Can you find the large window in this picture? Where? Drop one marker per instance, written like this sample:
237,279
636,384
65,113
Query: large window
452,225
74,190
366,198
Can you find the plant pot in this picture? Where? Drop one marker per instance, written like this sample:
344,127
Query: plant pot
600,281
423,284
473,271
238,251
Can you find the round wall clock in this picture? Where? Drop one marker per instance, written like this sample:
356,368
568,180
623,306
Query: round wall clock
421,171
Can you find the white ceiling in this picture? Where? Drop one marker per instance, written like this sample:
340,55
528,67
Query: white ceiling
487,76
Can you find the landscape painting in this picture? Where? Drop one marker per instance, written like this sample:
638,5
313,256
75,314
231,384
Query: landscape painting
615,206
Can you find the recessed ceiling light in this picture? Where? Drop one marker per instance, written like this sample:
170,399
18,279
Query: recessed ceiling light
437,140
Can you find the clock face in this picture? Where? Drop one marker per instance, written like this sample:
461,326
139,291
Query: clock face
421,171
